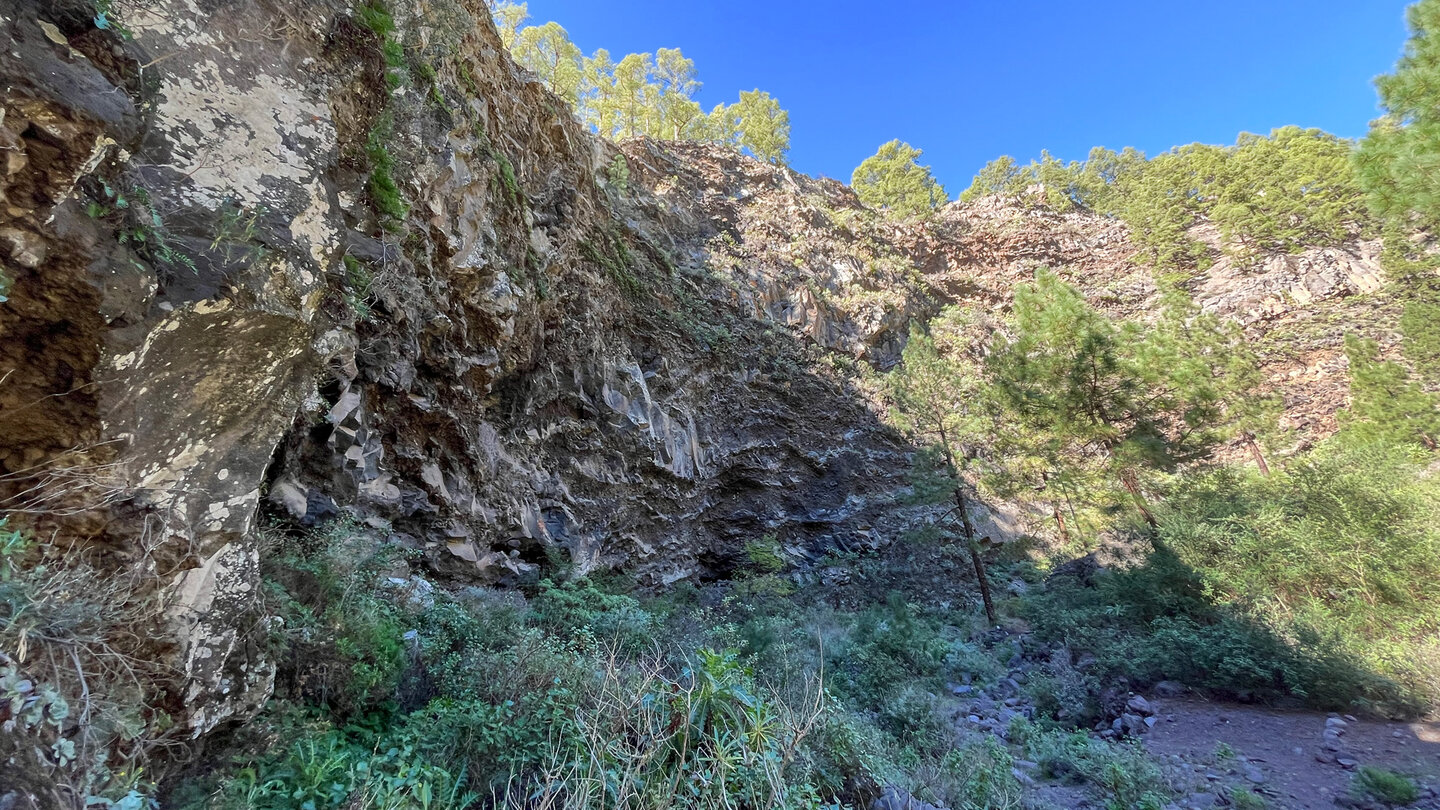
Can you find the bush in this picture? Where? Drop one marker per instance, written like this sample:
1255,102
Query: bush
977,775
342,641
1382,785
547,704
325,768
77,674
1127,777
574,607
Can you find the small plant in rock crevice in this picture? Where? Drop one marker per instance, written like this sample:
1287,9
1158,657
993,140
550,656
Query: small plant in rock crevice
385,195
138,222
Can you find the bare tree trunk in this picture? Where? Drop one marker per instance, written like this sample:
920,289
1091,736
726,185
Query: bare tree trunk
1132,486
970,542
974,547
1060,522
1258,453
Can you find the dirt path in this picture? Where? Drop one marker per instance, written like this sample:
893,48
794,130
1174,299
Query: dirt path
1287,756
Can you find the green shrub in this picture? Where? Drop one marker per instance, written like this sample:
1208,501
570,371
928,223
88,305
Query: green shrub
765,555
341,639
385,195
580,606
1383,785
975,776
327,769
1122,771
1243,799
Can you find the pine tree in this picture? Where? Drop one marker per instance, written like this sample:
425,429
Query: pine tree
1385,404
1128,397
1420,327
643,94
508,19
1002,176
634,95
546,50
722,125
1103,175
893,179
764,126
1399,161
1288,192
679,114
1060,182
599,104
940,398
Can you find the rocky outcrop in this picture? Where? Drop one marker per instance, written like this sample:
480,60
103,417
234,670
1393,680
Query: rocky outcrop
807,255
219,312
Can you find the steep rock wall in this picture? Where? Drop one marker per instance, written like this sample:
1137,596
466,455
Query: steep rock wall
218,314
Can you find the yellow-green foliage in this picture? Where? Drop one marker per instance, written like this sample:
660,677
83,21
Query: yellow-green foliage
1343,543
650,94
1291,190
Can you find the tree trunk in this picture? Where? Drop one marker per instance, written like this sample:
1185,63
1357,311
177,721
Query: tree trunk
1060,522
1258,453
974,548
970,543
1132,486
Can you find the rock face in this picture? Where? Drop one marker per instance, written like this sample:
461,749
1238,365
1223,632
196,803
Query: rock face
255,274
208,319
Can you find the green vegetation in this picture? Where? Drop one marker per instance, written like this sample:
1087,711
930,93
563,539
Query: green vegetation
892,179
509,184
1385,403
1396,162
73,675
641,94
618,174
1385,786
1246,800
388,695
1126,777
1293,190
385,195
942,400
376,17
358,283
138,224
1317,581
608,250
1117,400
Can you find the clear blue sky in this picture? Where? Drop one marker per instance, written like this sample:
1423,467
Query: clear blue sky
968,80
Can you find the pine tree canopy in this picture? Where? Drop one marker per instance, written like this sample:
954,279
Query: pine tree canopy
1385,404
1399,162
893,179
642,94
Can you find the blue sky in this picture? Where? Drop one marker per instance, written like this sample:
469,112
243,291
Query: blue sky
968,80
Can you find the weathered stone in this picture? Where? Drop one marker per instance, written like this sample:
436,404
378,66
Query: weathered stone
1139,705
